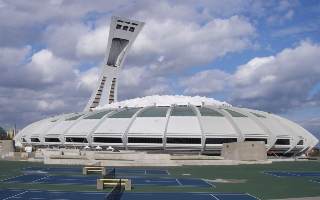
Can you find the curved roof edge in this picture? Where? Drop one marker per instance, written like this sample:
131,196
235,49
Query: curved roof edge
165,100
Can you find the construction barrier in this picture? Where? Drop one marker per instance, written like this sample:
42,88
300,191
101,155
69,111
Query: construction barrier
111,183
86,170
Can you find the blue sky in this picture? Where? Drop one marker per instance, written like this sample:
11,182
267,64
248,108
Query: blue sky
251,53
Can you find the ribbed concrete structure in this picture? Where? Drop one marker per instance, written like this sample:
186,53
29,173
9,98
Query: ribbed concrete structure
200,126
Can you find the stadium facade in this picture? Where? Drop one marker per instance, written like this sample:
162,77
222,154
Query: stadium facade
160,122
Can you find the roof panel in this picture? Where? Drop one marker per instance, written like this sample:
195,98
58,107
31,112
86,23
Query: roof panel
74,117
98,115
154,112
209,112
234,113
258,115
182,111
127,113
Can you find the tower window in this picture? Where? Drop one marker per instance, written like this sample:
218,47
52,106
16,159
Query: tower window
118,26
131,29
125,28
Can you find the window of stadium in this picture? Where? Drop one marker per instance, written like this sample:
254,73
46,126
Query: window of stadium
145,140
184,140
107,140
220,140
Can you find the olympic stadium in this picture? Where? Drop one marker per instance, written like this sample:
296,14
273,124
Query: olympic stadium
160,122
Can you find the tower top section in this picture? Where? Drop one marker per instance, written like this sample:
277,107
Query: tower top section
123,32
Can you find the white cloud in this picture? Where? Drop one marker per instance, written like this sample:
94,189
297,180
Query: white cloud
40,84
140,81
205,82
48,68
184,44
94,43
282,12
245,73
158,89
13,56
88,79
62,39
50,106
295,30
279,82
275,83
133,76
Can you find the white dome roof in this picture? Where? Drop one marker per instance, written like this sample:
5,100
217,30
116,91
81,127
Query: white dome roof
165,100
159,122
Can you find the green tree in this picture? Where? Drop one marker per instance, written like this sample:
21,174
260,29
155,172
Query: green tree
3,134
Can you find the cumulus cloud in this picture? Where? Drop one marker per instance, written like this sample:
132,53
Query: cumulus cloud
38,84
13,56
206,82
47,68
93,43
275,83
279,82
140,81
62,39
88,79
182,45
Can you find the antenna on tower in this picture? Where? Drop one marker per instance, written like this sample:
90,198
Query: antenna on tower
123,32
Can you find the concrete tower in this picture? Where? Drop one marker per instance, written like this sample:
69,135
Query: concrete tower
123,33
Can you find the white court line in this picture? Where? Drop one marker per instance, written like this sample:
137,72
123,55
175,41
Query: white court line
214,197
15,195
271,174
253,196
39,179
11,178
178,182
212,185
314,181
292,174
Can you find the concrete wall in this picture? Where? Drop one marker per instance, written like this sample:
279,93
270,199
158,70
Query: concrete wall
6,146
244,151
